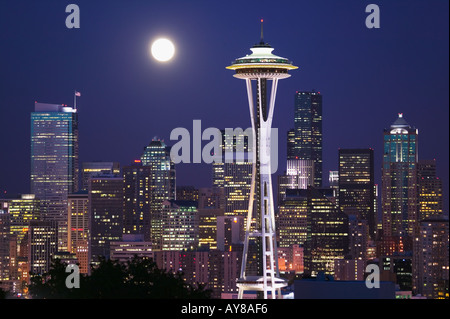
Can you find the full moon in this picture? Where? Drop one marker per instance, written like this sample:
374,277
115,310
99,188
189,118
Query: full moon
163,50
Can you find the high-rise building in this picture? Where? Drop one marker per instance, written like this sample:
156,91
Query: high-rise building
235,179
234,173
207,227
163,185
308,131
187,193
230,231
333,182
106,214
399,179
5,256
327,238
429,192
291,144
54,158
22,209
42,245
180,225
79,228
292,219
299,175
211,197
90,169
137,198
431,259
356,184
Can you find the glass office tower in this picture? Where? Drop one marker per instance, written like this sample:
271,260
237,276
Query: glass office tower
399,180
54,158
163,185
357,183
307,143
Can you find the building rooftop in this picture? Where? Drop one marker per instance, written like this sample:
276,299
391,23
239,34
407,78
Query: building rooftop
400,122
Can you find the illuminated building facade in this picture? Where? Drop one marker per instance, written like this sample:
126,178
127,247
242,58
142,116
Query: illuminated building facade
431,259
429,192
308,131
42,245
130,246
78,228
106,214
327,238
90,169
23,209
292,220
232,175
207,227
261,67
54,158
137,198
399,179
180,225
357,183
230,231
163,185
5,256
299,175
187,193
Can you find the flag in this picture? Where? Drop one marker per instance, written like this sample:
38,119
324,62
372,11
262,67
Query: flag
77,93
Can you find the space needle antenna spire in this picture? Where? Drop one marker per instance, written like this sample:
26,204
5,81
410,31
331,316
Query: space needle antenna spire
262,32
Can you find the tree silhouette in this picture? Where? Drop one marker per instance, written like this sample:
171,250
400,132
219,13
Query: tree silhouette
136,279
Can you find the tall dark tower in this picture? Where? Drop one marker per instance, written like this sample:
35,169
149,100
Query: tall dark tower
308,131
357,184
261,67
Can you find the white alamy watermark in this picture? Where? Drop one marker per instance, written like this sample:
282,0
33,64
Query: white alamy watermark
373,278
73,19
233,145
373,19
73,279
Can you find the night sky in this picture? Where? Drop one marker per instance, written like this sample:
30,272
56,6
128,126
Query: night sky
366,76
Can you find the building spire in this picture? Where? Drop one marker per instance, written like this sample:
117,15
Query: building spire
262,32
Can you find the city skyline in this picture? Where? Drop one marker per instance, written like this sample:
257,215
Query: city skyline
381,68
370,104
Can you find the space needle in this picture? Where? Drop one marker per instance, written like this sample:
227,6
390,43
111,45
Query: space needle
260,272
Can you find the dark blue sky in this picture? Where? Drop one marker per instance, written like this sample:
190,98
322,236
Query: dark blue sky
366,76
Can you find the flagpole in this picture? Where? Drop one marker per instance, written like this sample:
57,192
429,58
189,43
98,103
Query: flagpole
75,99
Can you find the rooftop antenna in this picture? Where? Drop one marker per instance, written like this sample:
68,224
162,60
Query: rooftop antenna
262,33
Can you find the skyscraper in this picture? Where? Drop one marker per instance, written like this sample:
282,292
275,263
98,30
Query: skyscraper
54,158
357,183
106,213
42,245
292,219
90,169
299,175
431,259
399,179
429,192
137,198
163,185
79,228
22,210
232,175
179,225
307,144
327,238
